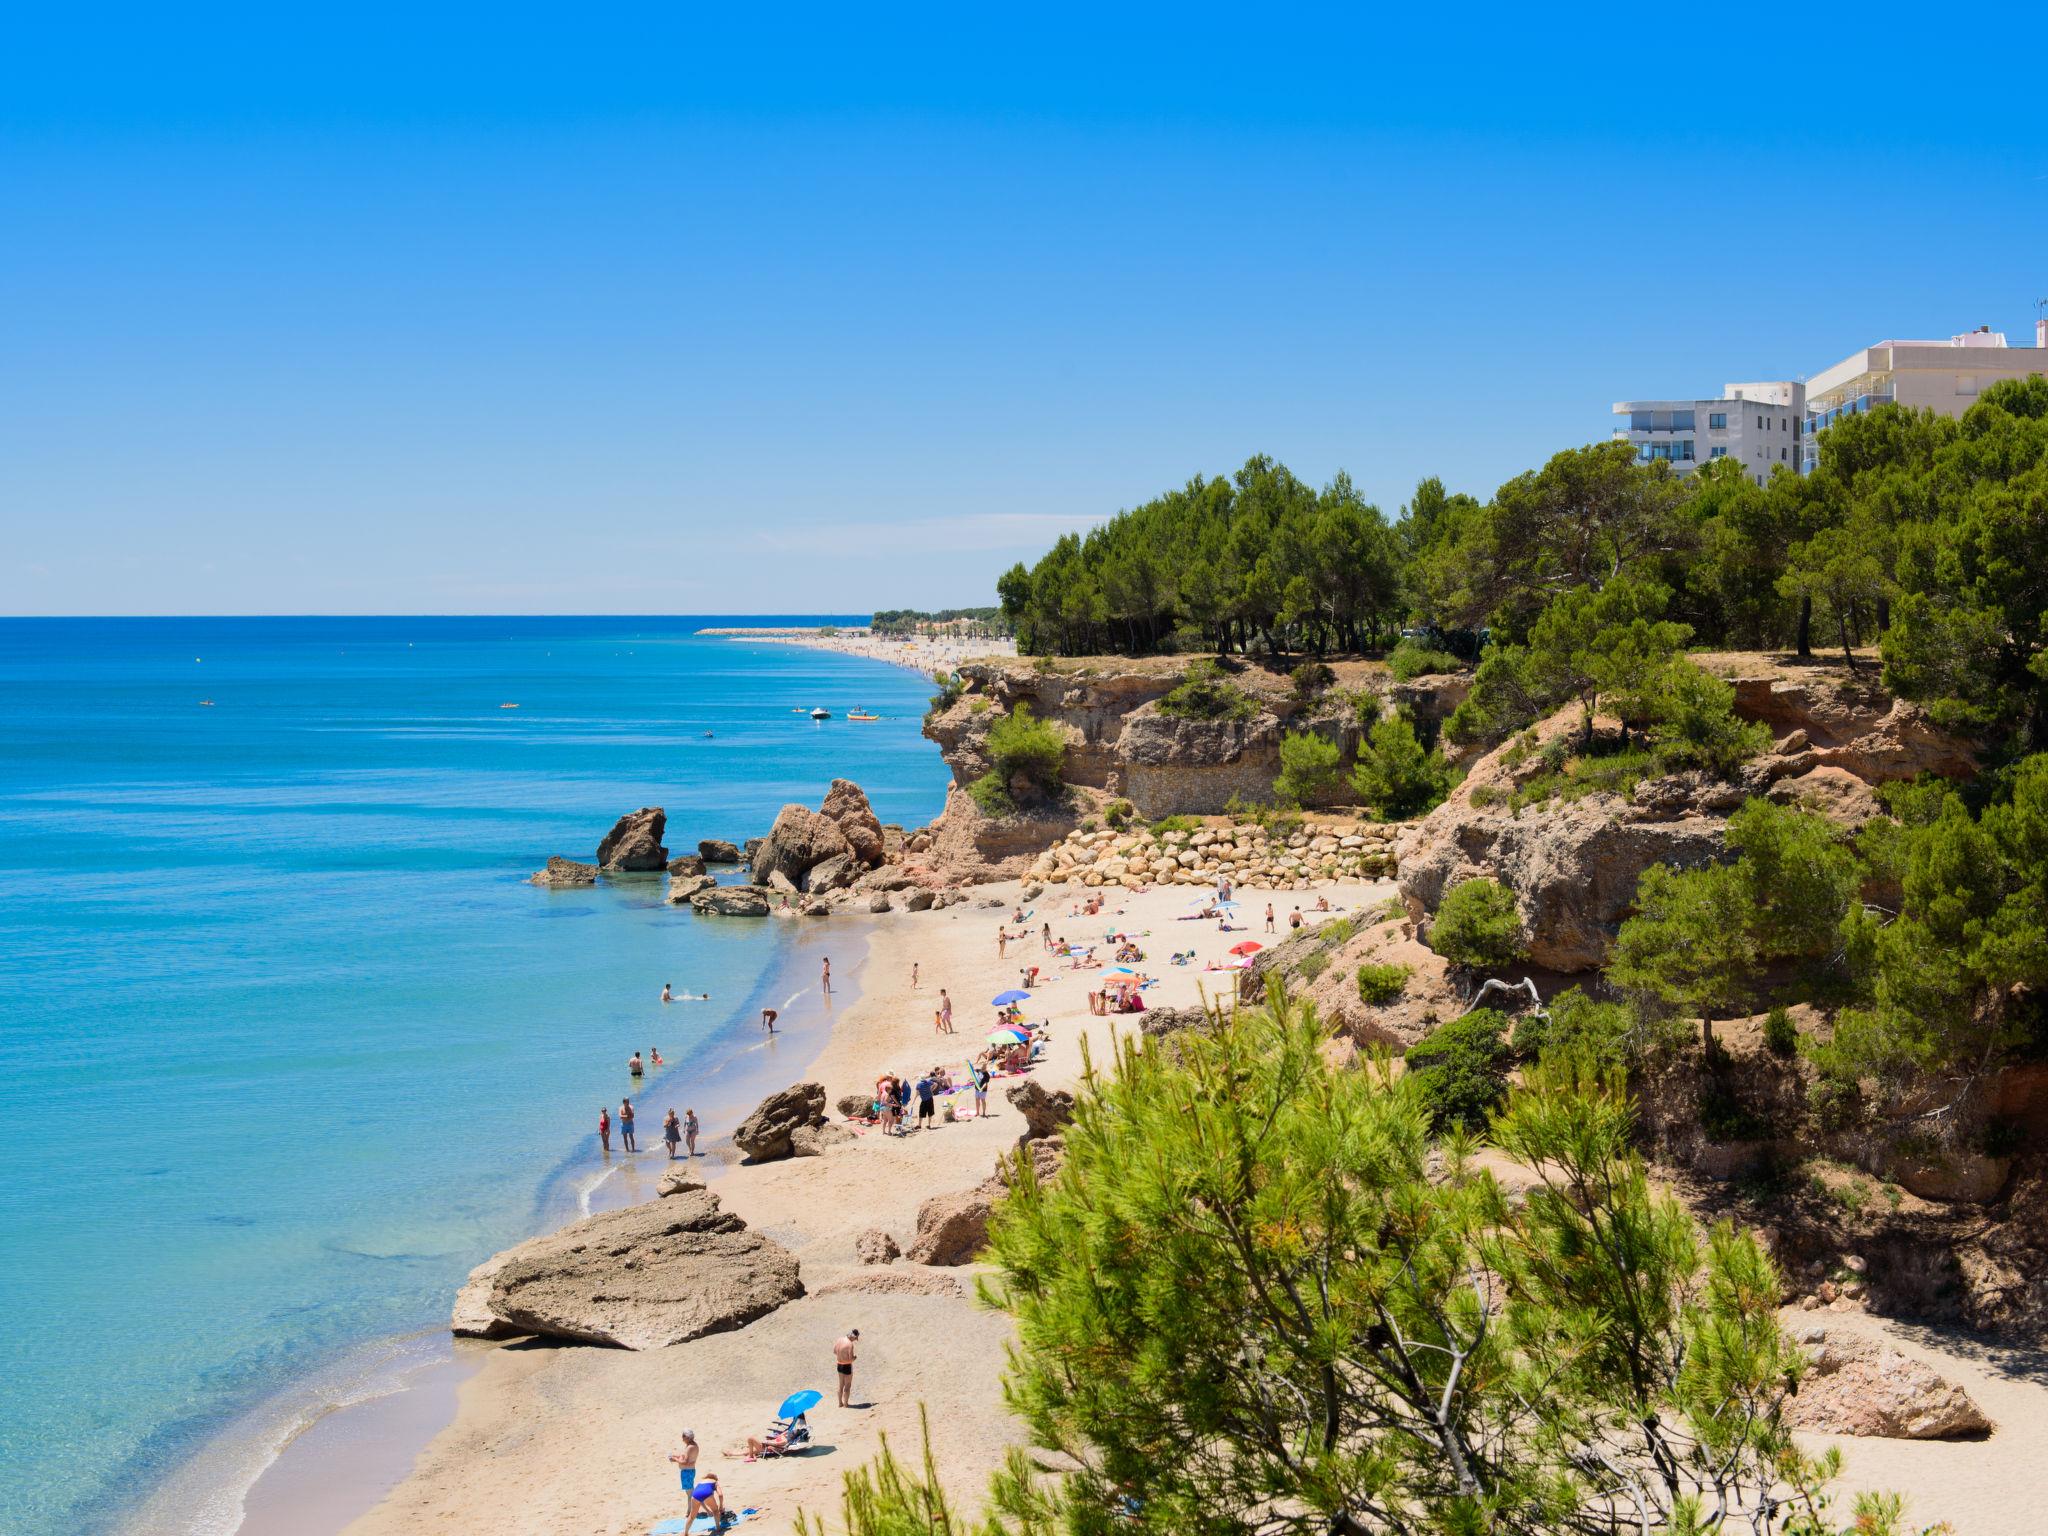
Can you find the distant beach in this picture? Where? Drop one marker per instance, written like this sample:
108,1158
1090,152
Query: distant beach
929,655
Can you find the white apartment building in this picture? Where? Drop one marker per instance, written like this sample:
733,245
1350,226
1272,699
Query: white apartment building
1942,376
1760,426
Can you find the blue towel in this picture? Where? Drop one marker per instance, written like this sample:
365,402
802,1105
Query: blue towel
703,1526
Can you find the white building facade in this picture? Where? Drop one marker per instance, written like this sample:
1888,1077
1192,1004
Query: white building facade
1942,376
1760,426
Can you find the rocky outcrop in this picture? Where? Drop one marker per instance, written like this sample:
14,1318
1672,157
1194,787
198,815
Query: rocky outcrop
953,1228
679,1181
1857,1384
856,1106
473,1317
731,901
817,1140
644,1277
633,846
682,887
561,871
846,806
716,850
1323,964
1045,1114
686,864
966,846
875,1246
765,1135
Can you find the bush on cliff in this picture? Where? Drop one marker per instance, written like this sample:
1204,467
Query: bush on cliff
1477,925
1205,692
1461,1069
1395,777
1029,755
1299,1315
1380,984
1308,769
1412,659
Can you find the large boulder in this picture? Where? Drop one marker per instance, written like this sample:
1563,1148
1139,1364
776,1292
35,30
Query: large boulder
847,806
952,1229
473,1317
817,1140
686,864
766,1134
682,887
731,901
834,874
561,871
716,850
633,846
645,1277
875,1246
1858,1384
800,840
1045,1114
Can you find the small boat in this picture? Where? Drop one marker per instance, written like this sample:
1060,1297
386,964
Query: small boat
508,706
821,714
206,703
861,714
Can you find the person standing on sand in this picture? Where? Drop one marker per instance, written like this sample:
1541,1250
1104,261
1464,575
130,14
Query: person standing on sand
827,975
690,1130
671,1133
1046,937
978,1070
1294,920
626,1125
913,975
843,1356
945,1012
1002,941
686,1458
604,1129
927,1111
769,1016
1269,917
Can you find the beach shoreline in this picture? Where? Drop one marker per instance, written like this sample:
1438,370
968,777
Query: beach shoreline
926,655
316,1455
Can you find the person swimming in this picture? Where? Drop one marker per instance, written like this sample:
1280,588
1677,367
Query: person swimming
666,995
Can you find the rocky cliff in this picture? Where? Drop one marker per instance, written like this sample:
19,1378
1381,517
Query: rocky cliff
1573,863
1121,742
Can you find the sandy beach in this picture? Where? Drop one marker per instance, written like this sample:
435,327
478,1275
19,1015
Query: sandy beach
926,654
554,1439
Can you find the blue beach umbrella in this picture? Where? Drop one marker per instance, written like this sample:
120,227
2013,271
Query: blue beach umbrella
799,1402
1011,996
1121,970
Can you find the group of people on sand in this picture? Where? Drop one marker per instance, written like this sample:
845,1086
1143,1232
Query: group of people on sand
702,1494
674,1131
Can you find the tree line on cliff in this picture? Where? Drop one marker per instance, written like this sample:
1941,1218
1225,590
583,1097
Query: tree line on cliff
1918,532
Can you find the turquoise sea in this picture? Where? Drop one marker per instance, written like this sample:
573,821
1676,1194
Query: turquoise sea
286,1042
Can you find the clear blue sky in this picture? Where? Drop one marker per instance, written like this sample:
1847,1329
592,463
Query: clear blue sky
623,309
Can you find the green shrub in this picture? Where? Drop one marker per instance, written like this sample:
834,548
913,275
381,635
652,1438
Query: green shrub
978,705
1028,750
1380,984
1780,1033
1461,1071
1477,925
1484,795
1696,724
992,795
1313,965
1411,659
1308,768
1366,708
1394,777
1336,931
1166,824
1574,1023
1207,693
951,686
1312,679
1118,814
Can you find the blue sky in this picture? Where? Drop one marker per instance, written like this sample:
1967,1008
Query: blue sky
641,310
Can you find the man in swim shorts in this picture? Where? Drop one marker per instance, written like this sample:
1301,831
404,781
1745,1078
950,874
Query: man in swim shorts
843,1356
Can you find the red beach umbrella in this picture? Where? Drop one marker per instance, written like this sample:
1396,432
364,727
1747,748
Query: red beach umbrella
1248,947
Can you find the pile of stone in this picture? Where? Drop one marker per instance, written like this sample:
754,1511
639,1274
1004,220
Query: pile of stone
1253,858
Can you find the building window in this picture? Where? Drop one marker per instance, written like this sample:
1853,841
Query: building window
1718,421
1681,421
1717,452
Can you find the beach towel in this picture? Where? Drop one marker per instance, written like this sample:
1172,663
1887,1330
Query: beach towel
703,1525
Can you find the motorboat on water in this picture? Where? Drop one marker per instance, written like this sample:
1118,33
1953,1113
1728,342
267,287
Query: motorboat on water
821,714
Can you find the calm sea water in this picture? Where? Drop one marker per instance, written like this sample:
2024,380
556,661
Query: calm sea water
286,1043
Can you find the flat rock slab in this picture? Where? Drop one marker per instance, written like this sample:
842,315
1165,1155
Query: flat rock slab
645,1277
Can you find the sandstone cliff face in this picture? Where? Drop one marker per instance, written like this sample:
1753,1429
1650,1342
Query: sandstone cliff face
966,847
1573,865
1119,742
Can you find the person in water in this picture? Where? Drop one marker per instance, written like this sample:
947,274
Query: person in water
666,995
671,1133
654,1054
626,1125
768,1018
690,1130
635,1065
827,981
604,1128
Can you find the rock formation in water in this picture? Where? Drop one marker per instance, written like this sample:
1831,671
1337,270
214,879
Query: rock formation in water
633,846
561,871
